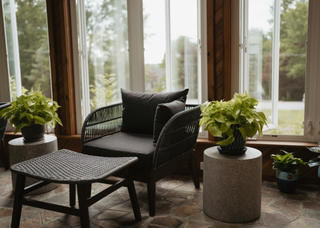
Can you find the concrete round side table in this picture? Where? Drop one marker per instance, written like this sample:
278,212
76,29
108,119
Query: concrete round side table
232,185
20,151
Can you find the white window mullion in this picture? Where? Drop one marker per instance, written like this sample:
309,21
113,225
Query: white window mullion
4,69
275,62
83,55
244,81
168,47
199,38
202,62
76,58
136,45
15,47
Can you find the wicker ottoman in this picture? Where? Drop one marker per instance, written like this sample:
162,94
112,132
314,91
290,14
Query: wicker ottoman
75,169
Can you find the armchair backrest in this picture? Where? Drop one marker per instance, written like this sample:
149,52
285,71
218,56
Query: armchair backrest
3,122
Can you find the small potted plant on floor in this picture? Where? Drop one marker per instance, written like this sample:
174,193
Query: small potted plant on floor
287,170
29,113
233,121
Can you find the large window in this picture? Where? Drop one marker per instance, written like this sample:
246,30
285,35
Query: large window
171,46
277,46
139,45
25,58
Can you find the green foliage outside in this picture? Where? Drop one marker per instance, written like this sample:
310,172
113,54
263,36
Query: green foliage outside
32,29
104,91
33,108
292,65
13,87
290,122
287,162
107,34
184,68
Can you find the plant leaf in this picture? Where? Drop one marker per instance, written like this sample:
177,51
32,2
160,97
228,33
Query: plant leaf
227,141
215,131
39,120
243,133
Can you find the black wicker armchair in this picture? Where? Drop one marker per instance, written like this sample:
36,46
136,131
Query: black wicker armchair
3,125
101,135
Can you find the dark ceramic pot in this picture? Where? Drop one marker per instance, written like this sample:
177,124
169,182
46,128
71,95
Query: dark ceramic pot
237,147
287,182
33,133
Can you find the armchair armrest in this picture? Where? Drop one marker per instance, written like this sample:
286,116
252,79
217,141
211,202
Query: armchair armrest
178,136
3,122
101,122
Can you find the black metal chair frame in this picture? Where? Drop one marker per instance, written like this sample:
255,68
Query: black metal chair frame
107,120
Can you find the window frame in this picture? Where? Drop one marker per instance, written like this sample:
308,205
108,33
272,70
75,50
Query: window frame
136,61
4,68
312,111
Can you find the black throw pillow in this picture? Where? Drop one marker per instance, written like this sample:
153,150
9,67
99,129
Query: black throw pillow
139,109
163,113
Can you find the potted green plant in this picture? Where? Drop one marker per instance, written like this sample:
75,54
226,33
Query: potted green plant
287,170
314,162
233,121
29,113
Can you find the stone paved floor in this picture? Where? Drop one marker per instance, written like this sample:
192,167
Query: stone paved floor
179,204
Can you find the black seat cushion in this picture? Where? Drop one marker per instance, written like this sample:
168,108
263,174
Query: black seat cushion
139,109
124,145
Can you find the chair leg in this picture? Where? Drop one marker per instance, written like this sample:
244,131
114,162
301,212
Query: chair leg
193,169
83,205
72,195
151,186
17,205
3,155
133,196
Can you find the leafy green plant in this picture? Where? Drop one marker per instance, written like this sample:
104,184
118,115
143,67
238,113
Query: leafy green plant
287,162
221,118
33,108
314,162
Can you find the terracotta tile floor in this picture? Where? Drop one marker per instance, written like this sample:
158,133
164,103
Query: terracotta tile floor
179,204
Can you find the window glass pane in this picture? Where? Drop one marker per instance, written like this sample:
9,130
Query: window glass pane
286,113
184,48
167,27
107,50
155,45
27,46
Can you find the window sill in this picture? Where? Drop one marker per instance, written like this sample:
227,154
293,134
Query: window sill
265,143
203,141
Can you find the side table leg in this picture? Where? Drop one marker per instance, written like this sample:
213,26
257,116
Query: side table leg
83,205
17,205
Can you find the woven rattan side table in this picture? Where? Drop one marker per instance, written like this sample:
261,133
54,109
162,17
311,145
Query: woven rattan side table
77,170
